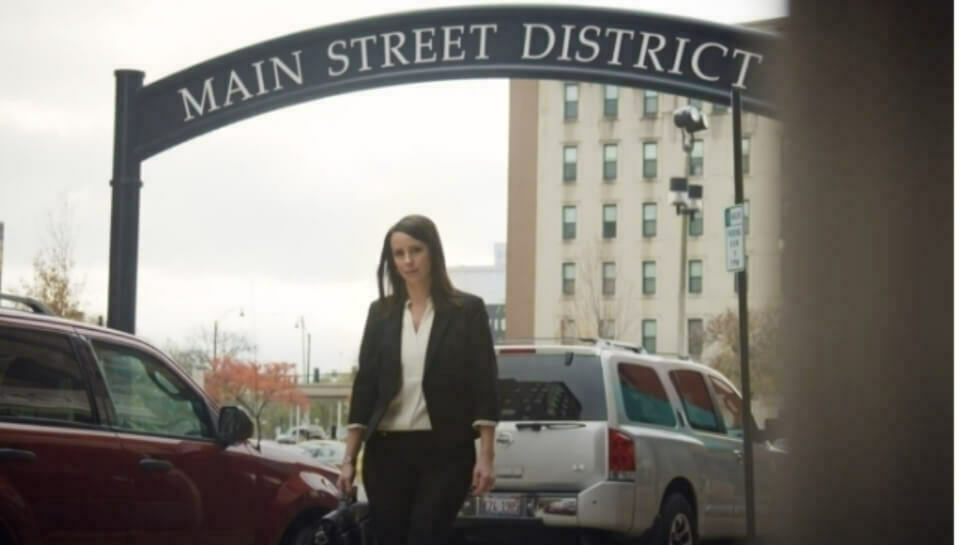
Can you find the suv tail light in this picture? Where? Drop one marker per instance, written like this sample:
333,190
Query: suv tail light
621,456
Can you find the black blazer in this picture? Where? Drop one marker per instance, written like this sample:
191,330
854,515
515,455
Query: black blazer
460,370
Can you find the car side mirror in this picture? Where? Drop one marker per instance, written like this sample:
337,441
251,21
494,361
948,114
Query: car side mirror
233,426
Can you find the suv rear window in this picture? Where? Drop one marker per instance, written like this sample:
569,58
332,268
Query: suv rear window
560,386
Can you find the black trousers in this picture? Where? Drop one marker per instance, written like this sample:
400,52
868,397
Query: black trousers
416,484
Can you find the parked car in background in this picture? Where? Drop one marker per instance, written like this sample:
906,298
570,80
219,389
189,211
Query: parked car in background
103,439
325,451
602,440
297,434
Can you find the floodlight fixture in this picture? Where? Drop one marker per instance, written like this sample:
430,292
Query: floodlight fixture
678,191
690,120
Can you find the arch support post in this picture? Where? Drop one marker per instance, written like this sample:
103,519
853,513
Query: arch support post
125,206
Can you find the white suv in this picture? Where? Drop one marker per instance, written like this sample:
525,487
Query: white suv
606,440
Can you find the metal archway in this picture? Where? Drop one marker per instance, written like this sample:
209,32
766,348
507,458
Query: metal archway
627,48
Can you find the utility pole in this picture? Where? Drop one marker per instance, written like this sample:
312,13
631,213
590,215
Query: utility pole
688,200
744,332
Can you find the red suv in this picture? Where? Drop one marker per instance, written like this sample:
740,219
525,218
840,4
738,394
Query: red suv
103,439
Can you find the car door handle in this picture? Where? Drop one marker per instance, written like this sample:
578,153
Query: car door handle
152,465
739,454
16,455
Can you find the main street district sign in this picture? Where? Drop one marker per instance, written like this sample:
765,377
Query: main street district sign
681,56
626,48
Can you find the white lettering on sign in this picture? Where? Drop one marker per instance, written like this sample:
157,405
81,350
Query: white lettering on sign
611,46
540,42
421,45
393,50
452,49
528,39
695,60
645,51
592,44
237,86
199,107
747,57
484,30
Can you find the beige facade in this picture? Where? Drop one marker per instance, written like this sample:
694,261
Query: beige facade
539,134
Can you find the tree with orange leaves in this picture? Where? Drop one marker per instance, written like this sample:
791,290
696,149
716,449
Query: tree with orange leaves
253,386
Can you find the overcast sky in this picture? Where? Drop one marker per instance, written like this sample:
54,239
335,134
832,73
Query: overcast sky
281,215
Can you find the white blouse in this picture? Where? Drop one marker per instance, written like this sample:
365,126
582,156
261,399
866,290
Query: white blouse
408,410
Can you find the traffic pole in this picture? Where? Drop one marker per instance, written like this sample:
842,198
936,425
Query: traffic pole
744,332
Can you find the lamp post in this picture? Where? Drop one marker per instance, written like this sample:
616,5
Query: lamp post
301,324
688,201
304,347
216,324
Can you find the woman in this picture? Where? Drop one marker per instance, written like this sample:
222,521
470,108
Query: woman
425,390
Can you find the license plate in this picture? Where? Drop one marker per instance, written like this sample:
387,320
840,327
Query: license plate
502,506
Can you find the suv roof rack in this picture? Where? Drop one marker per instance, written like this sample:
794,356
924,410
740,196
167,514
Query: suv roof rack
34,305
589,341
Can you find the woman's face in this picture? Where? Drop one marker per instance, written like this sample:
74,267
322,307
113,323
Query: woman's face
411,258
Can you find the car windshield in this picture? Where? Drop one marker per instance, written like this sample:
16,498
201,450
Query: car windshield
545,387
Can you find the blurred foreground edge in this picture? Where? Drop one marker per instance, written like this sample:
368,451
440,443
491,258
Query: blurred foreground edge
867,269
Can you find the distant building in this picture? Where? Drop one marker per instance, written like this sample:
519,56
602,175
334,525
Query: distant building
595,243
488,282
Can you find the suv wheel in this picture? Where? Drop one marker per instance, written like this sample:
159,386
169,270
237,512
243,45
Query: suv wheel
678,526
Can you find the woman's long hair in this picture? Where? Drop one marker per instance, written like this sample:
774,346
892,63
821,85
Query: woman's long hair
391,285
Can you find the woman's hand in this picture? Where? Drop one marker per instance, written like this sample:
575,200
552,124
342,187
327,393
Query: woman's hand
345,481
483,477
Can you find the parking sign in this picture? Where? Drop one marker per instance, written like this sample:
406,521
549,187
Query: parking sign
733,219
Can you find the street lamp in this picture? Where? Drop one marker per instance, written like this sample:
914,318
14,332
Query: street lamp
216,327
690,120
304,347
687,199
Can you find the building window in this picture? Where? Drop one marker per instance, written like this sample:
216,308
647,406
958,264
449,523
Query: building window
745,154
571,98
649,159
695,337
609,221
607,328
644,397
649,219
649,277
611,95
651,103
569,222
720,108
695,228
569,163
696,103
569,278
609,161
695,167
650,336
609,278
695,273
